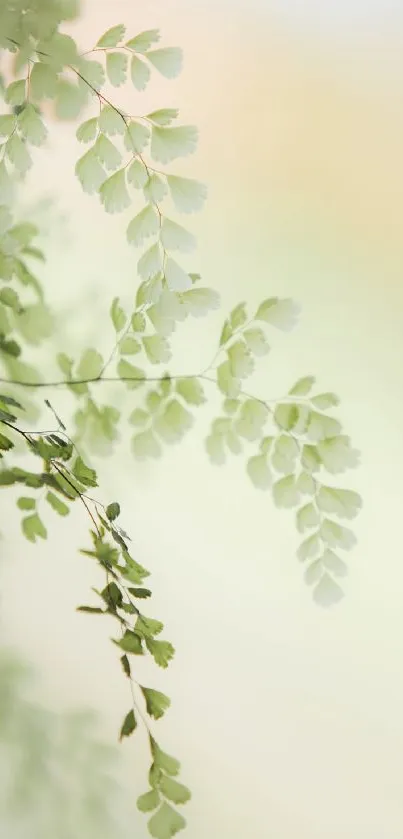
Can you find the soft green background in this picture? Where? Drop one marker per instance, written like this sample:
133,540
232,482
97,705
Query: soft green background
287,718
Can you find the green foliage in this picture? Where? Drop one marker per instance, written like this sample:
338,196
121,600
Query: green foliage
292,446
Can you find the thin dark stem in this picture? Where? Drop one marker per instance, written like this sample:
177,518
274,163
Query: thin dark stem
67,382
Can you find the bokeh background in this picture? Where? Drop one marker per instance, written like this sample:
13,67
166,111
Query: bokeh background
287,718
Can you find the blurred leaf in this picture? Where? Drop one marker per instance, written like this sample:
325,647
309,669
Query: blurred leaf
112,37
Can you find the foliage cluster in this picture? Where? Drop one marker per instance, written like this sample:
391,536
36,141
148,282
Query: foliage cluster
292,447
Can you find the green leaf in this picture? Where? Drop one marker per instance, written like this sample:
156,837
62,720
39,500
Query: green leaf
84,473
149,801
139,417
175,237
92,610
145,445
90,172
136,137
11,348
129,346
133,376
143,225
279,313
113,192
173,790
286,416
310,459
199,301
92,71
17,153
177,279
333,563
25,503
256,341
168,61
167,144
10,298
140,73
70,99
132,643
155,188
306,484
107,152
148,627
336,535
169,765
321,427
90,365
138,322
309,548
126,666
31,126
327,592
156,348
112,511
238,316
7,123
33,527
191,391
137,174
336,454
133,571
150,264
87,131
240,360
111,122
15,93
112,36
162,651
313,572
164,116
221,425
285,454
227,383
187,194
226,333
174,423
156,702
259,472
231,406
117,315
251,419
116,67
307,517
129,725
166,822
285,492
343,502
140,593
58,505
325,400
303,386
143,41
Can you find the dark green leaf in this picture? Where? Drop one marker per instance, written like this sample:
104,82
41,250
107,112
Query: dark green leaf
129,725
113,511
132,643
126,665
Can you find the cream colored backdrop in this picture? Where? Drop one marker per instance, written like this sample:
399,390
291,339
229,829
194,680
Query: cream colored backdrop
288,719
